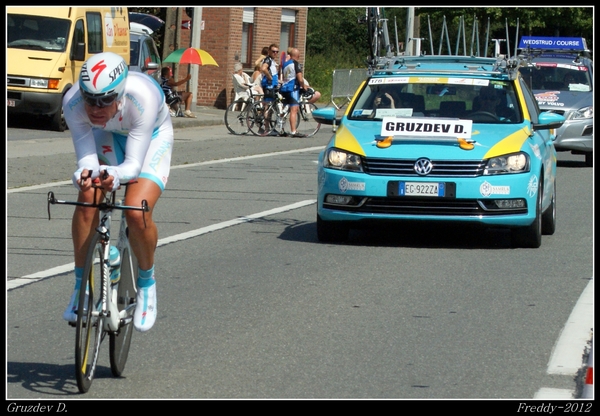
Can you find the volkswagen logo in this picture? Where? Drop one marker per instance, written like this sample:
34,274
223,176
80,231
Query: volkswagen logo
423,167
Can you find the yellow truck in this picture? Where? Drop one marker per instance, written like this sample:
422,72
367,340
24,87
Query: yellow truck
46,47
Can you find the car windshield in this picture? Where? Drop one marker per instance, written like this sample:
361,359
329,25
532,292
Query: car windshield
37,32
546,75
480,100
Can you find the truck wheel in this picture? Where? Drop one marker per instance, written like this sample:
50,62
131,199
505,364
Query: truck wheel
57,121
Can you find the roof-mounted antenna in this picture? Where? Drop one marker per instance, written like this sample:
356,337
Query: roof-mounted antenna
487,37
517,38
475,37
460,29
507,40
430,35
444,31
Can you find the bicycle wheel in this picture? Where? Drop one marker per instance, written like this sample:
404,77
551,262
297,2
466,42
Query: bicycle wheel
307,126
261,118
89,325
121,340
235,117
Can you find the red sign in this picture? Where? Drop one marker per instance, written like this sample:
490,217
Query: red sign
186,24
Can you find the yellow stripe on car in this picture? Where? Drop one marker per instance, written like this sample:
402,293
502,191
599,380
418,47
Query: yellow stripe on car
510,144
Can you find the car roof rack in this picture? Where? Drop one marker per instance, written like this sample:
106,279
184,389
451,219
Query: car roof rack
499,65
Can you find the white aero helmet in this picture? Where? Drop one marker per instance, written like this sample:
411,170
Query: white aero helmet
102,79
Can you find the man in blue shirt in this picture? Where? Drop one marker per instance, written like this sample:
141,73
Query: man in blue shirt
292,82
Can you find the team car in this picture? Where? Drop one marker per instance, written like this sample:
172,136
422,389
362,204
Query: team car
440,138
560,74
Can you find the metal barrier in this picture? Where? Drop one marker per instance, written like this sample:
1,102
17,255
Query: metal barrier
345,83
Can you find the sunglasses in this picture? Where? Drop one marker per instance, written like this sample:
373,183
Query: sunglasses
274,51
99,102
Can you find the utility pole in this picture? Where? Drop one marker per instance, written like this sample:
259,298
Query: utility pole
196,32
410,31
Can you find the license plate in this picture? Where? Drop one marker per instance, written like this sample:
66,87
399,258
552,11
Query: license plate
10,103
435,189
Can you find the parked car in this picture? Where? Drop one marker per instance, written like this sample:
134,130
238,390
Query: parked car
144,55
560,72
460,139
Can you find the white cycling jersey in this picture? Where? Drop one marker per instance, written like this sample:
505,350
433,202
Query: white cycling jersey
136,142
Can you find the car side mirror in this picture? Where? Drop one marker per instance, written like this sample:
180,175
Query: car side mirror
548,120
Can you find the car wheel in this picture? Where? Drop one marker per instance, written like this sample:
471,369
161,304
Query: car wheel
331,231
530,236
549,216
589,159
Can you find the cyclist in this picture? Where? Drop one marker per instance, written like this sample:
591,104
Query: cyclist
120,124
292,83
269,69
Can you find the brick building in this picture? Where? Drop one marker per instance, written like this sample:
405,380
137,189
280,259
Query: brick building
238,34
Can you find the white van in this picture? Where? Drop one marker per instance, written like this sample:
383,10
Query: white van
46,47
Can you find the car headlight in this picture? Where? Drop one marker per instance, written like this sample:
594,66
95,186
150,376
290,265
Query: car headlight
513,163
583,112
340,159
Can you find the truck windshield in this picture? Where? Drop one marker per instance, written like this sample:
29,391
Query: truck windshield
37,32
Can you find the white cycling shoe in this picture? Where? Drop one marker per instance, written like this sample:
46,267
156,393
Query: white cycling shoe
70,314
145,310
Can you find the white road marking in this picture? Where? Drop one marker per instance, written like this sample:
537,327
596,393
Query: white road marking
32,278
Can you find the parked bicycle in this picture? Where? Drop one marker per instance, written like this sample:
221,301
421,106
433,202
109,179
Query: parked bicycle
107,304
237,113
271,117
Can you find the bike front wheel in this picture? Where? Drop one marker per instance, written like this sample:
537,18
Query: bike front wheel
307,125
261,118
89,325
125,288
235,117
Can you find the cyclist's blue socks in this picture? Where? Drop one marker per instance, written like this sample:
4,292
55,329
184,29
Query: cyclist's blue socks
78,276
145,277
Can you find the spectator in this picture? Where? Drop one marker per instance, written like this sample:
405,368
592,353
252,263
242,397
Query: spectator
257,76
316,95
263,54
168,84
242,83
292,83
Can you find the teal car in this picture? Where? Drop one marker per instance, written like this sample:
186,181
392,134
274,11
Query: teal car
440,138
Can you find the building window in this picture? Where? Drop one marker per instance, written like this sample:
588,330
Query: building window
288,29
247,37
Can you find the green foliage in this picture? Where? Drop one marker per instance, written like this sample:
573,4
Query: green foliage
336,38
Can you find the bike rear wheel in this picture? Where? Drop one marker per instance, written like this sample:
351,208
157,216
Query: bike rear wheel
235,117
89,325
307,125
120,341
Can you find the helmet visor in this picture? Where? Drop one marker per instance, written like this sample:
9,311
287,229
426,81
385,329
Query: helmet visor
99,101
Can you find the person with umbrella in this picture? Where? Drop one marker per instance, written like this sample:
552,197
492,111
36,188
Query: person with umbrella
168,83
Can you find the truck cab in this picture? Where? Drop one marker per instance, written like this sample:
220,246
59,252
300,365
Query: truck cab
46,47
